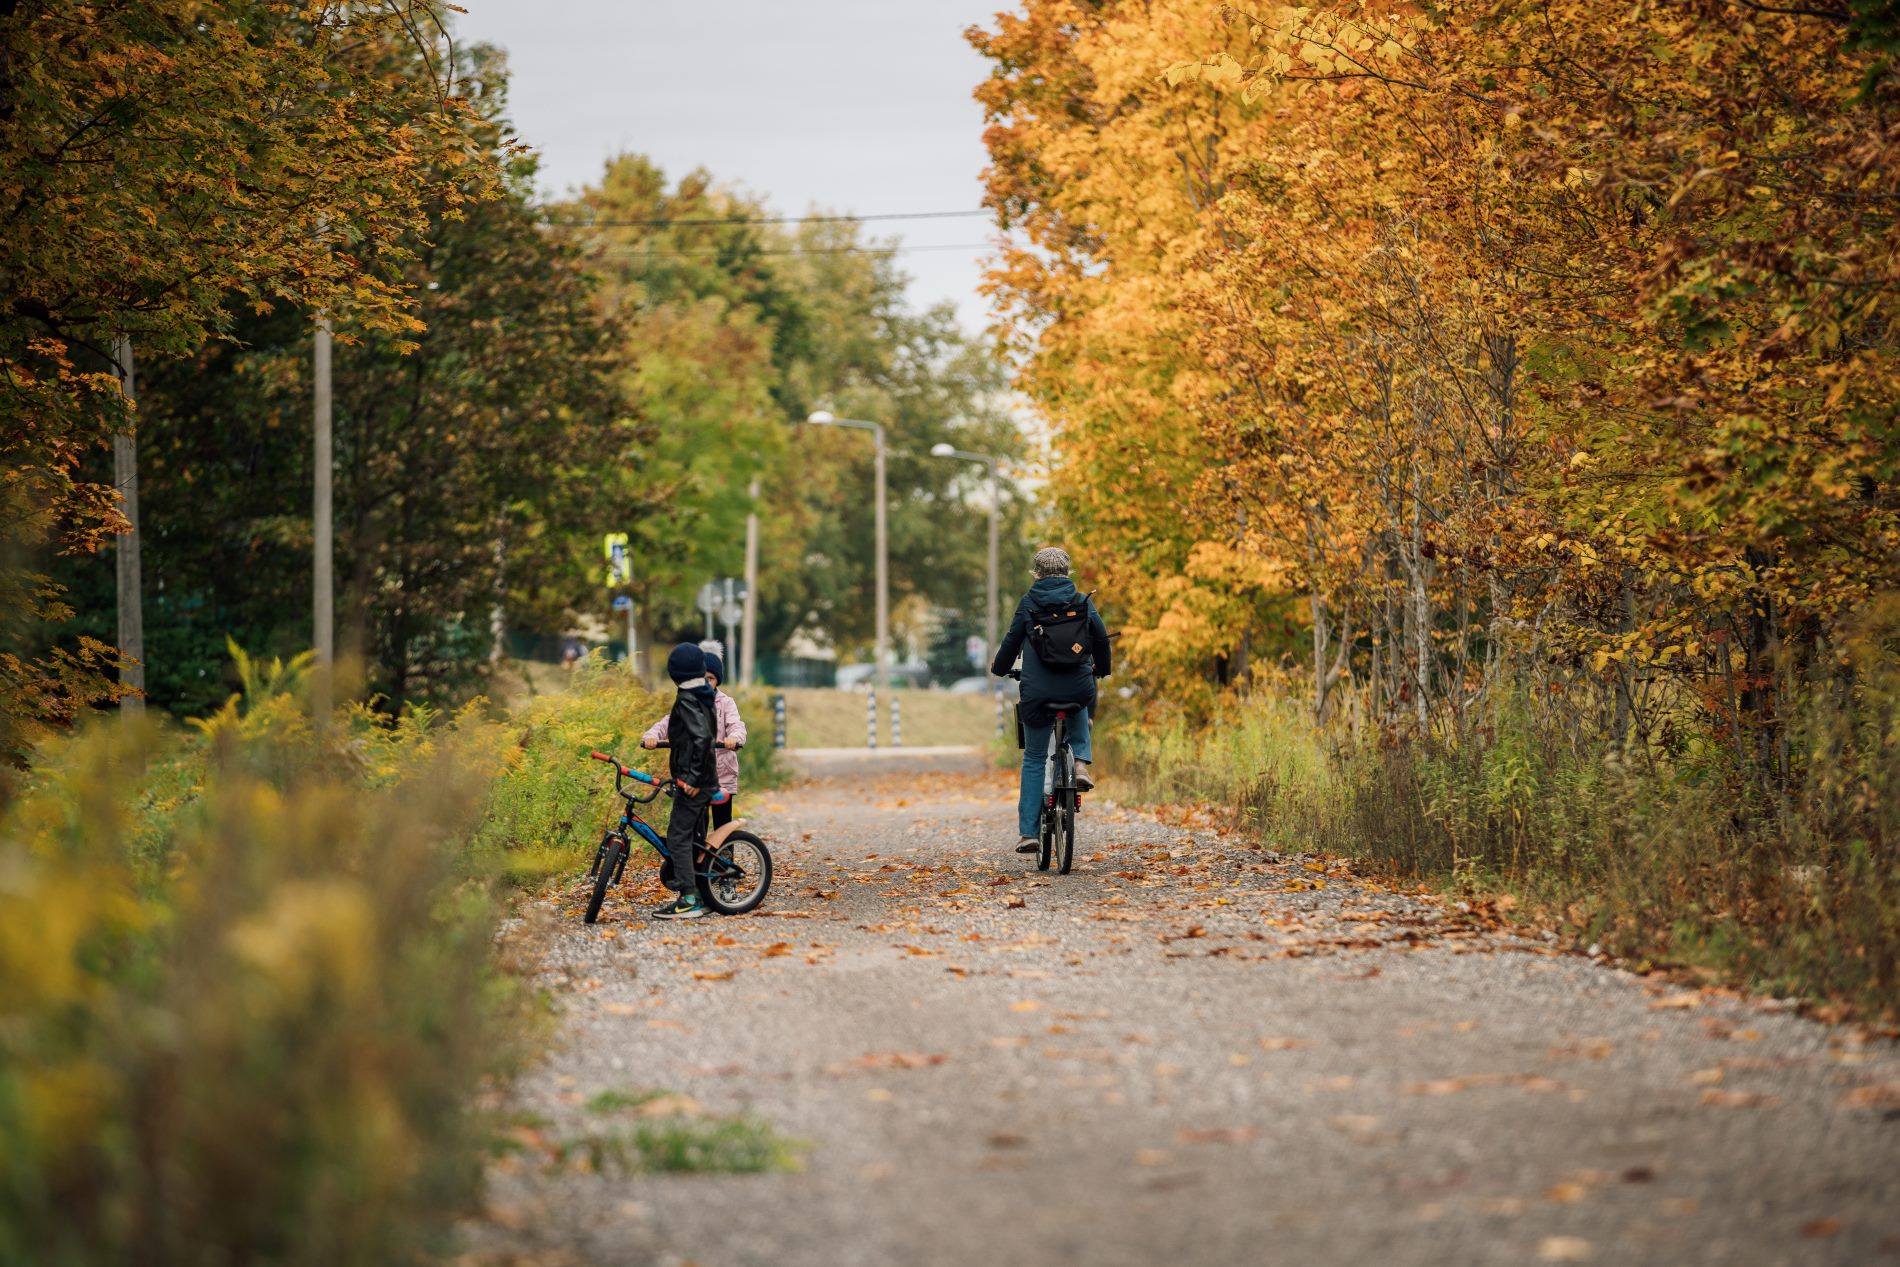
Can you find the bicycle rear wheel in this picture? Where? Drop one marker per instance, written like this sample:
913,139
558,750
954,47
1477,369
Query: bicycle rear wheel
1065,832
737,878
607,864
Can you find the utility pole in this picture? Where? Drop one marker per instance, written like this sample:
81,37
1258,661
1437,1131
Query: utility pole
323,605
883,576
996,512
749,624
125,473
991,461
825,418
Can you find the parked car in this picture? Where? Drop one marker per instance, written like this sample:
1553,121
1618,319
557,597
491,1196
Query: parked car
984,684
861,677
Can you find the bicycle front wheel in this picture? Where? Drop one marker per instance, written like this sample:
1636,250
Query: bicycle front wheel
737,877
607,863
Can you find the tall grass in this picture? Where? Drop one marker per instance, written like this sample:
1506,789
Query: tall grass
1662,856
247,982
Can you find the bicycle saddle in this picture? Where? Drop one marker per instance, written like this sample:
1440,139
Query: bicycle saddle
1066,706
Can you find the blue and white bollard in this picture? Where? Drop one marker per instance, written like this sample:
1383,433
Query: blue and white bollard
897,720
870,718
778,721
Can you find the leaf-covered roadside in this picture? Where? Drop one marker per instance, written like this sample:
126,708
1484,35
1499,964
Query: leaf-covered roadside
248,982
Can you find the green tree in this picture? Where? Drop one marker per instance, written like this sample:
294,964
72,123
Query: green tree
166,166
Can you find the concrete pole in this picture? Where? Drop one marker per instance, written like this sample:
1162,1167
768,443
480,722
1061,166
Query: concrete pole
323,595
883,576
125,474
994,634
749,625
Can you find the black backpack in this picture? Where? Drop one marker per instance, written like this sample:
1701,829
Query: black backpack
1061,635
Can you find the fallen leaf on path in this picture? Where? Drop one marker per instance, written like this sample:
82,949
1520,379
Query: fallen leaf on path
1566,1193
1682,1207
1451,1086
1342,1082
1016,903
1354,1123
1704,1077
1217,1135
713,976
1821,1229
1738,1099
1281,1044
620,1009
1564,1249
1003,1139
1674,1002
1876,1095
778,948
1153,1157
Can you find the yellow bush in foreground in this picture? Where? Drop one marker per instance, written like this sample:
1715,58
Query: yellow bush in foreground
246,978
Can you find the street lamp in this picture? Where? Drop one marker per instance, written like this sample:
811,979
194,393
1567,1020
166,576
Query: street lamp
996,507
823,418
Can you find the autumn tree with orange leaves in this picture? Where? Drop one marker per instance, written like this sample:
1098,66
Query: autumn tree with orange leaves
1495,341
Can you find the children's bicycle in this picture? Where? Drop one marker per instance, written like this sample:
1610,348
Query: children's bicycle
732,868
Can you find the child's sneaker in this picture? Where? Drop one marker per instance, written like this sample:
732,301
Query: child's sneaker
688,907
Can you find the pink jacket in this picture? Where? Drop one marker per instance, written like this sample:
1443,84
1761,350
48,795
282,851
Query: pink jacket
728,725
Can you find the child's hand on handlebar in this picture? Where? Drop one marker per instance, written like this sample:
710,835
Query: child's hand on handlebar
686,787
649,743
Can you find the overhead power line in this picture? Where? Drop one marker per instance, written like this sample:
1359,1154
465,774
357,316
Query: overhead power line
637,254
745,220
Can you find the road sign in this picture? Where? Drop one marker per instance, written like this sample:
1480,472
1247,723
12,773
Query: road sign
622,602
974,647
613,548
708,598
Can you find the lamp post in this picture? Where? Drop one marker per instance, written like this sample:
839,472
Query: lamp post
996,509
883,562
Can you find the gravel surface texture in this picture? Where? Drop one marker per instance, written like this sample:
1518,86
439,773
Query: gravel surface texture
1185,1052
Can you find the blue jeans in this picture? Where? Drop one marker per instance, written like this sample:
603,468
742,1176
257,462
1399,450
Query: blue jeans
1035,756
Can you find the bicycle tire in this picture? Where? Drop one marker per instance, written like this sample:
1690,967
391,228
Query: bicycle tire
1065,847
604,875
726,895
1045,839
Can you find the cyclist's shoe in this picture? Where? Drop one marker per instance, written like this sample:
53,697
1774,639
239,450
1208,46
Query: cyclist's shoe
1083,781
664,908
1028,844
688,907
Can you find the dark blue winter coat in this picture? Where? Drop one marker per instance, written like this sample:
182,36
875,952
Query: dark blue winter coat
1041,684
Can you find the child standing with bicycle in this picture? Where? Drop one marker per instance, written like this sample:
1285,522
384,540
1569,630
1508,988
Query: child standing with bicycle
728,738
691,730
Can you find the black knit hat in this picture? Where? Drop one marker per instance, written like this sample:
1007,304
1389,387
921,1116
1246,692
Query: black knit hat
715,666
685,662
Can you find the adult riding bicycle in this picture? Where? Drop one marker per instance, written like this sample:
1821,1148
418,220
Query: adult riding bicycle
732,868
1061,798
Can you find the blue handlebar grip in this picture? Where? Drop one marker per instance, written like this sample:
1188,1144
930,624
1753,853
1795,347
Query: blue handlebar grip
635,774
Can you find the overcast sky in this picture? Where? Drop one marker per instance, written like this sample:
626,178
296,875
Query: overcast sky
858,106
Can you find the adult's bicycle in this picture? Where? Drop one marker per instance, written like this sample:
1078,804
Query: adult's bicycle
1061,798
732,868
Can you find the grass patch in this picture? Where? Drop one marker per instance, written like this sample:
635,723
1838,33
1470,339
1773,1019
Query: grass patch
1667,857
684,1145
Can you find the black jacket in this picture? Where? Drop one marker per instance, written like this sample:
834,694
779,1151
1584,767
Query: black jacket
1041,684
690,728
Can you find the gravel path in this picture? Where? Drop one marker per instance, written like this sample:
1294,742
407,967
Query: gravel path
1185,1052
